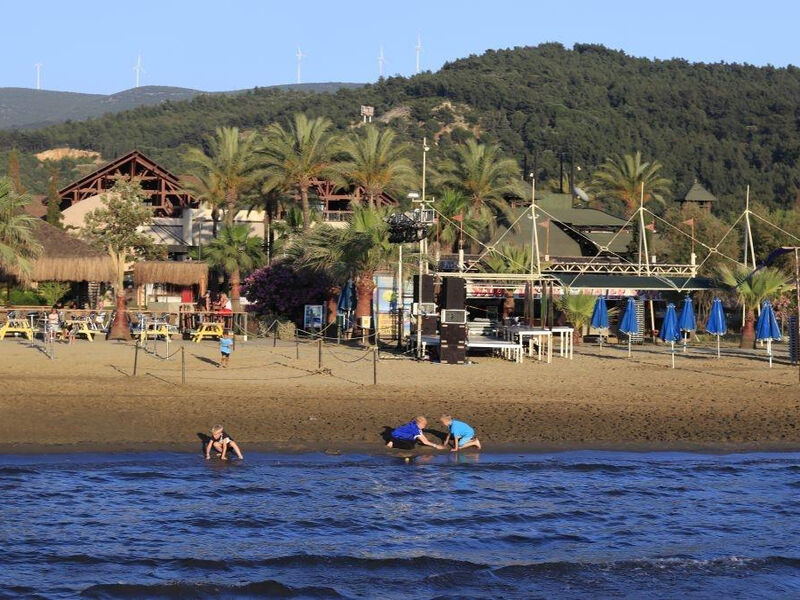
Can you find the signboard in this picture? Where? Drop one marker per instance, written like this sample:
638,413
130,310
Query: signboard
313,316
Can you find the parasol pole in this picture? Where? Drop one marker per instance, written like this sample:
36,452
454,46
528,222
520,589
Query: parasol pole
718,353
672,352
769,351
629,345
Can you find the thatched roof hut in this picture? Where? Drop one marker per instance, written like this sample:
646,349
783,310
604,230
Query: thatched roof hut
184,273
64,258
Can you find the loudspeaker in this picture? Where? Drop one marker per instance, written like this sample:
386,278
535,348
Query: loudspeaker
429,325
427,288
454,293
453,355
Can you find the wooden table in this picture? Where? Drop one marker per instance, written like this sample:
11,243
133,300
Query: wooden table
565,340
157,330
511,332
16,326
81,327
208,330
509,350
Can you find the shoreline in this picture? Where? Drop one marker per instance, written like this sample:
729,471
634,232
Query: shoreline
351,449
86,400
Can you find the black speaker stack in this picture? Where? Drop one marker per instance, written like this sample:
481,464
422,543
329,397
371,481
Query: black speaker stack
453,337
424,292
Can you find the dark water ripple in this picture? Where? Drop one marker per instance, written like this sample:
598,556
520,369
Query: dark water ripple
571,525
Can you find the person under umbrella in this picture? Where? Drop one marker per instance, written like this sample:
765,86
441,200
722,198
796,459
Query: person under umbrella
670,332
600,317
629,324
687,323
767,328
716,324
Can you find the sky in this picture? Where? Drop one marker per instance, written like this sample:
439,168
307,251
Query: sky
92,46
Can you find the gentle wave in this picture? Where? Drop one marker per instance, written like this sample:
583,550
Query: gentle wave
267,588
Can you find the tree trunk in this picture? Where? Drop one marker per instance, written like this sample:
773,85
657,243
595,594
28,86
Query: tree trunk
119,328
364,286
508,304
214,224
371,201
231,203
749,330
306,208
235,293
268,233
333,304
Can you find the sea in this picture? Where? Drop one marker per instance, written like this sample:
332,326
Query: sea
560,525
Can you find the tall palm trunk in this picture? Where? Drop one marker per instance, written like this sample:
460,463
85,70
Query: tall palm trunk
333,304
231,203
268,233
749,330
365,285
214,223
306,208
119,328
235,293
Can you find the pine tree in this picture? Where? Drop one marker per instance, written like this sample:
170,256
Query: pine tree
13,171
54,215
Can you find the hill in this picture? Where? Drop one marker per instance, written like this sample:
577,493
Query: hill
29,109
725,124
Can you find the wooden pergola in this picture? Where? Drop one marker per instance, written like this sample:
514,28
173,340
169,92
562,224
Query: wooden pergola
166,193
64,258
182,273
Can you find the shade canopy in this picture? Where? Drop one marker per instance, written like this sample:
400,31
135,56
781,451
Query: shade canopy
687,321
600,314
64,258
716,324
670,332
184,273
767,325
630,323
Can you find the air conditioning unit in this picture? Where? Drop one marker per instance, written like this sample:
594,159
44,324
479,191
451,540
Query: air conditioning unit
425,309
453,317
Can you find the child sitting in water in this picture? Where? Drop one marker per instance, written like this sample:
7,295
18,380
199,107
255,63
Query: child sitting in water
225,348
406,436
220,441
463,435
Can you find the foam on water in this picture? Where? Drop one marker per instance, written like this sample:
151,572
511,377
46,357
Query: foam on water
570,525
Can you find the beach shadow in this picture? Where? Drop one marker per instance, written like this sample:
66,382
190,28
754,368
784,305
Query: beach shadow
204,439
204,359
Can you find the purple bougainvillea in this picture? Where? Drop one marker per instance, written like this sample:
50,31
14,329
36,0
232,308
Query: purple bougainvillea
281,290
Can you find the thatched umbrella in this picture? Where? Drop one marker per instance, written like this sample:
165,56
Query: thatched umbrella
183,273
63,258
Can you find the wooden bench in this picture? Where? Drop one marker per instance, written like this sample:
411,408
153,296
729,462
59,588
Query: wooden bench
16,326
208,330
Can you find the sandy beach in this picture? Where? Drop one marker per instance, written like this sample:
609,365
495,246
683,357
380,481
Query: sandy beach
87,398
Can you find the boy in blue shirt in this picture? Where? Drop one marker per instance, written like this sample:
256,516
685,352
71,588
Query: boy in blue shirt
225,348
463,435
407,436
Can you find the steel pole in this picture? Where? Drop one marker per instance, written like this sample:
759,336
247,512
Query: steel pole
401,301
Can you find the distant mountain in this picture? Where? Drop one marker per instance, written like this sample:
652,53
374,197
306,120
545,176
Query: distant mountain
24,108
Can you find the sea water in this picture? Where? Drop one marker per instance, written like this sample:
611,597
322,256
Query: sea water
566,525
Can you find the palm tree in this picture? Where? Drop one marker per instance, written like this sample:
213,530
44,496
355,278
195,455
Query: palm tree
18,246
235,251
373,160
293,158
457,222
752,289
621,178
578,308
224,173
207,191
481,172
355,252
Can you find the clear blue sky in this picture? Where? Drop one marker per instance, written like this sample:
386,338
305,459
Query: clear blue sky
92,45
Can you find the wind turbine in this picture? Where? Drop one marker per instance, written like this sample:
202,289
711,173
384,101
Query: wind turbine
381,60
418,48
138,69
300,56
38,67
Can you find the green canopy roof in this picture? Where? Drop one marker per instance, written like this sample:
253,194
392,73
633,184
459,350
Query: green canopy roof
697,193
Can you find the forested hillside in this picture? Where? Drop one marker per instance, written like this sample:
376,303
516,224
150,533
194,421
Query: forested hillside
725,124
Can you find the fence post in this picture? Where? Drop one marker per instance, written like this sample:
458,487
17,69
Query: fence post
296,346
135,358
183,365
275,334
375,366
319,361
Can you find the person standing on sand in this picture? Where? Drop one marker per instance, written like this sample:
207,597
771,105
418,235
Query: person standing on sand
407,436
463,435
225,348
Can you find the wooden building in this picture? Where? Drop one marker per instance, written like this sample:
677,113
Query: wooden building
698,196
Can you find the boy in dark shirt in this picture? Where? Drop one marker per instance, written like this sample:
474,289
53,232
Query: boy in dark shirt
220,441
406,436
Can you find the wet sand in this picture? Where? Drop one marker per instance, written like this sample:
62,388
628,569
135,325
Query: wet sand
88,399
